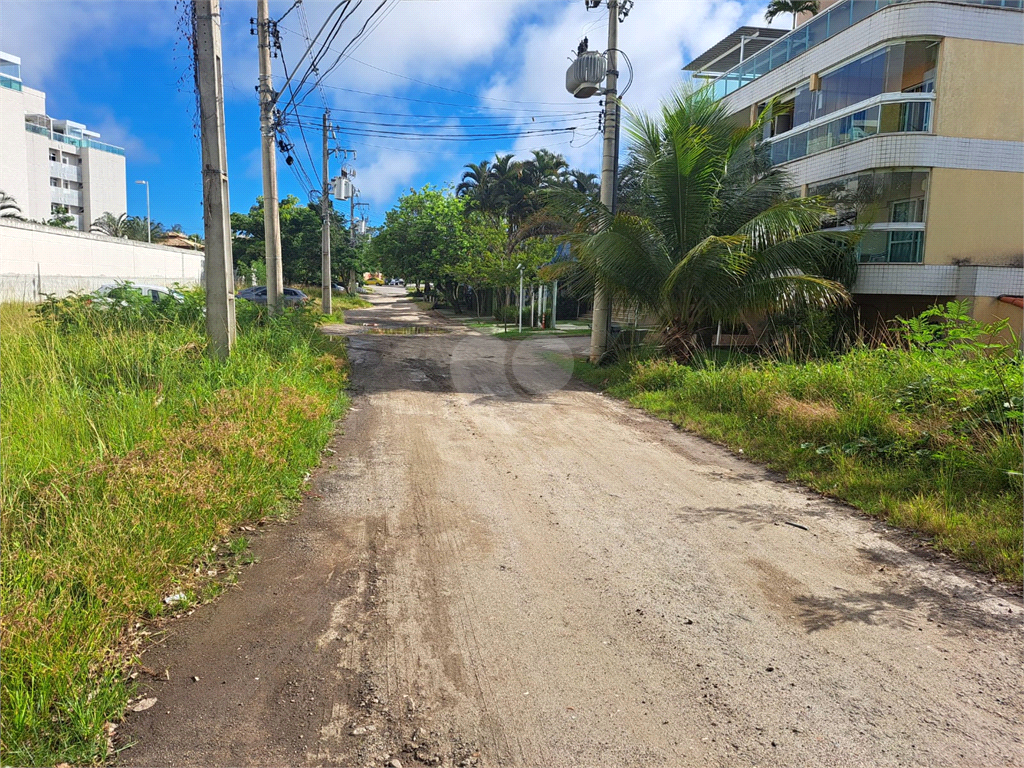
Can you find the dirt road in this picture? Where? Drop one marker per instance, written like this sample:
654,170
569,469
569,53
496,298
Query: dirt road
500,568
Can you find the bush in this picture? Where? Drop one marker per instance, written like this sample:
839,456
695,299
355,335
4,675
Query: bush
510,314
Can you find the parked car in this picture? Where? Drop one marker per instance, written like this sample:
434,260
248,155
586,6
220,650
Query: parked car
111,292
258,295
373,281
248,293
338,288
396,281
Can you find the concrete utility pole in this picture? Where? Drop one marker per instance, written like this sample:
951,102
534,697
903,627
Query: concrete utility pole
220,299
271,217
325,237
352,219
601,322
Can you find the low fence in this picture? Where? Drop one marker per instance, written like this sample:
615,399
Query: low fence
36,260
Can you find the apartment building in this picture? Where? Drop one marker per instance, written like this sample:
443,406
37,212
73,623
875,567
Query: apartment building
46,163
909,114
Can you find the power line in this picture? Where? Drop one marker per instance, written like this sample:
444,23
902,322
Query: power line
447,122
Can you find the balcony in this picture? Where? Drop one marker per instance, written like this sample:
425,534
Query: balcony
67,197
887,113
825,25
68,171
33,127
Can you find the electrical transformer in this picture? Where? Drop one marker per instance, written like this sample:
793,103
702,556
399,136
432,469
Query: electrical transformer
584,77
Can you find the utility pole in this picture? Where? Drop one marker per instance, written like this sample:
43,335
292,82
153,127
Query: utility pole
220,300
325,237
352,219
601,322
271,216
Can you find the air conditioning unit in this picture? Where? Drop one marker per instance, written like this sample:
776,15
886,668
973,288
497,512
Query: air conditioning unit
341,188
584,77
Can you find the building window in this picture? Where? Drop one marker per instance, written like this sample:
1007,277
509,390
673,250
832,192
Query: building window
905,247
905,67
54,182
882,196
53,157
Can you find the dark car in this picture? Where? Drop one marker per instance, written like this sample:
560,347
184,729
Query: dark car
258,295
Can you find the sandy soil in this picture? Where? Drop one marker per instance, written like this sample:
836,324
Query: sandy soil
498,567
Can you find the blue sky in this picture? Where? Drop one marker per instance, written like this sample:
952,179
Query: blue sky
122,68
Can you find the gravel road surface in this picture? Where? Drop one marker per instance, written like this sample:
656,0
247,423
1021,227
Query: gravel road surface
497,566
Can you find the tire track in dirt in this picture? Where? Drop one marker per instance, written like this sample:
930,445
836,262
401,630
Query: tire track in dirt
493,578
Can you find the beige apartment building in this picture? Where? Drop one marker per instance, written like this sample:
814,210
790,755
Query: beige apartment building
46,163
910,115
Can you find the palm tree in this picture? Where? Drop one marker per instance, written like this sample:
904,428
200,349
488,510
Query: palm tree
9,208
587,183
135,229
796,7
111,225
545,169
709,233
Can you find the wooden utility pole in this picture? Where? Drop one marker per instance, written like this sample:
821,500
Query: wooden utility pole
271,216
325,237
601,322
219,273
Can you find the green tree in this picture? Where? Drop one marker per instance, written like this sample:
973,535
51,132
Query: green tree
9,208
111,225
136,229
301,228
795,7
709,232
60,218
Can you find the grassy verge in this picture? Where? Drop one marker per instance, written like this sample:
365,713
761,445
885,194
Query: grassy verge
126,452
339,303
927,438
525,334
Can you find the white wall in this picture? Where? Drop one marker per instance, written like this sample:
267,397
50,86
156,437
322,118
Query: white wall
13,173
36,259
104,184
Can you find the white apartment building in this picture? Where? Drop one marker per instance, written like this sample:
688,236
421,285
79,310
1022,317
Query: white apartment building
46,163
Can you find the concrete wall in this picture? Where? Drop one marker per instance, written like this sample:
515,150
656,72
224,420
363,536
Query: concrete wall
980,85
36,259
976,215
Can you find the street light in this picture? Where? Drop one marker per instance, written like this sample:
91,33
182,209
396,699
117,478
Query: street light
149,226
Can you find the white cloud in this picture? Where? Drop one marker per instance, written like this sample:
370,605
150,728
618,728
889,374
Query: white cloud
49,35
658,37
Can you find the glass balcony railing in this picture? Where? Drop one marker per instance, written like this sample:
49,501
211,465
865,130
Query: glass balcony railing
87,143
826,24
7,82
905,116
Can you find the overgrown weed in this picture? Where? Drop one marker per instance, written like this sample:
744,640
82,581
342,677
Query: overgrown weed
126,452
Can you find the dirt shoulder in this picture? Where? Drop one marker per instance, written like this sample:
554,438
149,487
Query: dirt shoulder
496,568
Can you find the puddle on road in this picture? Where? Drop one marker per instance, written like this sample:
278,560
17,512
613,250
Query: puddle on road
408,330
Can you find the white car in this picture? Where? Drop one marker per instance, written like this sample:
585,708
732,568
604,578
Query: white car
156,293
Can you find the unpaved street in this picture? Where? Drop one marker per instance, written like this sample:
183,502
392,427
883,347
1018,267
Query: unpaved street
496,567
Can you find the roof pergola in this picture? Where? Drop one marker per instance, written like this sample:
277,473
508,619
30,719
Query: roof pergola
725,54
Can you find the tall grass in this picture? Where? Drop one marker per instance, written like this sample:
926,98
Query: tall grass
125,452
925,434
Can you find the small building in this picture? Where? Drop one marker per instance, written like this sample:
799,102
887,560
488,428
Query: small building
46,162
909,115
